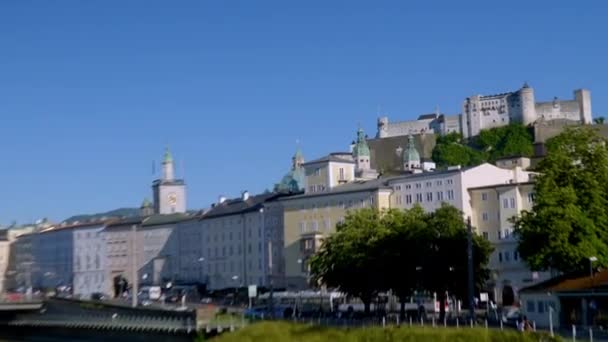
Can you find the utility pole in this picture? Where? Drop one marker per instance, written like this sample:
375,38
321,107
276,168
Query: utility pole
134,277
471,284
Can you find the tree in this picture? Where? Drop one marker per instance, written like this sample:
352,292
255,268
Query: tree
444,266
402,251
600,120
511,140
569,220
450,150
350,259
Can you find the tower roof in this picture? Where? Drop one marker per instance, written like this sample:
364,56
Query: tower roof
411,153
146,203
167,157
361,148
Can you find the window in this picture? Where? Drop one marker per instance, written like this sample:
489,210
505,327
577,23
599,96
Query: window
530,306
440,195
230,251
499,234
512,203
408,199
408,186
308,244
429,197
515,255
341,173
341,204
484,196
450,195
317,172
484,216
398,200
499,257
319,187
259,247
249,248
485,235
418,198
429,184
507,256
439,183
230,236
449,182
418,185
398,188
505,203
531,197
541,307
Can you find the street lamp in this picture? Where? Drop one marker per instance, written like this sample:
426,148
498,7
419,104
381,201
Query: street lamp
591,261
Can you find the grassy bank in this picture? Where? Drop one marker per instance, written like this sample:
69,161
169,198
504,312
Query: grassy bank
281,332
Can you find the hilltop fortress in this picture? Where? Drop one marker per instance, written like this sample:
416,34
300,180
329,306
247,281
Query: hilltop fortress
488,111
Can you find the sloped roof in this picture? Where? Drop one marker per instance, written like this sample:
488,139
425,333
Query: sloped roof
332,157
237,205
356,186
571,283
158,219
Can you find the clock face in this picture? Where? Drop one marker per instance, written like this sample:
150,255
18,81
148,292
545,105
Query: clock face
172,199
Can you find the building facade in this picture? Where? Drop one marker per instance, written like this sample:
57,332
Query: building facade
89,260
431,189
332,190
242,241
493,207
119,238
53,254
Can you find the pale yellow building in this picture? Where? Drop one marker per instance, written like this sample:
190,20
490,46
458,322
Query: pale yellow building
492,208
331,191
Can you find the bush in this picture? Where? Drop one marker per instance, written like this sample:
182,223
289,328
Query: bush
280,332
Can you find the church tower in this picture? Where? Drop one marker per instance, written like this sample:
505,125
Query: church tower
411,157
361,153
169,192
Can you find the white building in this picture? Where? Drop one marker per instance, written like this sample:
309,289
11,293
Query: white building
431,189
169,192
89,260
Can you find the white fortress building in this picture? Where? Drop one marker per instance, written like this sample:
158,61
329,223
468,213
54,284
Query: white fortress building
488,111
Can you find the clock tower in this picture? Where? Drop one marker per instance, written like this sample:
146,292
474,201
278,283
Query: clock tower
169,192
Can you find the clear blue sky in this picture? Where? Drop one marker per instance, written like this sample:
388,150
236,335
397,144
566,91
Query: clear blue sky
92,91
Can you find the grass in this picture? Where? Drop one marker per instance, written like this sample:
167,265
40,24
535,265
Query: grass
281,332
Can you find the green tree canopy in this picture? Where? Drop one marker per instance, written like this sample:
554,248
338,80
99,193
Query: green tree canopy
568,223
490,145
401,250
350,259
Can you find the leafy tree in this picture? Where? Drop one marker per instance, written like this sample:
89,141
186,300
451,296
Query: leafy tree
510,140
349,259
451,150
569,220
402,251
600,120
445,261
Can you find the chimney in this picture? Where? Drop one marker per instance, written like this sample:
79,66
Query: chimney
245,195
221,199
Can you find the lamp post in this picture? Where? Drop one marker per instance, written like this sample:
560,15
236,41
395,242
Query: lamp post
235,278
471,277
591,261
134,277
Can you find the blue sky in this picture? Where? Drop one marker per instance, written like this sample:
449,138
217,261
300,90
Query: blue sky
92,91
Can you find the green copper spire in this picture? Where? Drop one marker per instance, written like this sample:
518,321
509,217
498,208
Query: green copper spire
146,203
411,153
361,148
168,158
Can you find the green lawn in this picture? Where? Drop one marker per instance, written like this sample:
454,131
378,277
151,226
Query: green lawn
281,332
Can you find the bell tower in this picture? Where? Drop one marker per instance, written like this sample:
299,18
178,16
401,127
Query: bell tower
169,193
